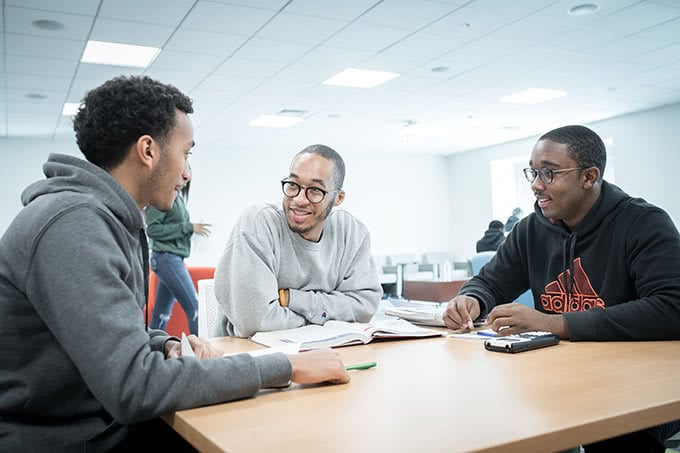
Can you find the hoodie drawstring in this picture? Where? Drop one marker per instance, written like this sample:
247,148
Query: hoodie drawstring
568,265
145,263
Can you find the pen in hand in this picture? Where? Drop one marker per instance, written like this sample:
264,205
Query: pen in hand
361,366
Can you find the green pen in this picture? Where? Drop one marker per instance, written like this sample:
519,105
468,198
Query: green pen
361,366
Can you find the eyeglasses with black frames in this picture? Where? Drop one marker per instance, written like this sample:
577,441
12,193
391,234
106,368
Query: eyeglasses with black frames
315,195
546,175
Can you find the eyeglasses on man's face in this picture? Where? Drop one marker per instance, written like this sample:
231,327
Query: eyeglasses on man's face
546,175
315,195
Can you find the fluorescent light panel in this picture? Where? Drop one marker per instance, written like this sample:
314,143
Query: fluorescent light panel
111,53
533,96
70,108
360,78
275,121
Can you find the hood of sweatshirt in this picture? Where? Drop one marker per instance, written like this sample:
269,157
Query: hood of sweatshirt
611,197
70,174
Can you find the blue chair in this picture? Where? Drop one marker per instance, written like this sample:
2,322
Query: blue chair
478,261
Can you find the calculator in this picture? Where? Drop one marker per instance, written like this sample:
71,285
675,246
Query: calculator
521,342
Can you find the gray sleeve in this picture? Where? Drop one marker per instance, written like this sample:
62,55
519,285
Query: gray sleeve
355,300
247,289
78,284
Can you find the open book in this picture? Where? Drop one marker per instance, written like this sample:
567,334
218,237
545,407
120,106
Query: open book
341,333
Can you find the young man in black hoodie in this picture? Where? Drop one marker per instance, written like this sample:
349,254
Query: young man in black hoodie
601,265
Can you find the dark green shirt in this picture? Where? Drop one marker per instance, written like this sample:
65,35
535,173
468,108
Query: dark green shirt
170,231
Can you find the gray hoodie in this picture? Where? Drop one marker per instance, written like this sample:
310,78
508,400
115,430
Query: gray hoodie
76,362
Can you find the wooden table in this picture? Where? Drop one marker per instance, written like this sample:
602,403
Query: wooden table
432,290
451,395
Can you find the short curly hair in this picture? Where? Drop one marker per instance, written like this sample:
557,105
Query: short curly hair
113,116
330,154
583,144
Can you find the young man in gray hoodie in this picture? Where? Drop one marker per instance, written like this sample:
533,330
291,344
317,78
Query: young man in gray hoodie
79,371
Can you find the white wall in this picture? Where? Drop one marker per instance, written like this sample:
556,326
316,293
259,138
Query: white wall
411,203
647,163
403,199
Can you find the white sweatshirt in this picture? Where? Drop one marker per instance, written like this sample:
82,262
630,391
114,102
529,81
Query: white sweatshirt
334,278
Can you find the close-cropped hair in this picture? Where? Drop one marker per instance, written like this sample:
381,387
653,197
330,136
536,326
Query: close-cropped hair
113,116
584,145
332,155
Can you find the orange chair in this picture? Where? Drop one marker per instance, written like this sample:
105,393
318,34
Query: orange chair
178,320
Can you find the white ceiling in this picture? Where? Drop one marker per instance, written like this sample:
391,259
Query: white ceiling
239,59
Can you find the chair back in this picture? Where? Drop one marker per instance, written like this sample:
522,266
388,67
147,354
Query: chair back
209,309
478,261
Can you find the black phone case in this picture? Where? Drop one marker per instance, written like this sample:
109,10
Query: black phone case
521,342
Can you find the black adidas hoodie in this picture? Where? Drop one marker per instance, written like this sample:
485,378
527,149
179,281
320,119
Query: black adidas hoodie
616,276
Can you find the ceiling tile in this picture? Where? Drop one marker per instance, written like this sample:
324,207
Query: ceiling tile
406,14
223,18
31,124
30,82
300,28
346,10
187,61
258,68
19,64
20,20
184,80
35,46
17,102
400,64
276,50
127,32
273,5
208,42
83,7
322,63
228,84
639,17
160,12
425,45
367,37
667,31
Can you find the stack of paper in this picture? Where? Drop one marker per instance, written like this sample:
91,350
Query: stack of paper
426,313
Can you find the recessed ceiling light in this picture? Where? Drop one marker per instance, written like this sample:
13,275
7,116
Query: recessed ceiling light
333,115
46,24
36,96
584,9
70,108
275,121
440,69
360,78
111,53
533,96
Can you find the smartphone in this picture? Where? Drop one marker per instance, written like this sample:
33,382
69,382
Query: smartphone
521,342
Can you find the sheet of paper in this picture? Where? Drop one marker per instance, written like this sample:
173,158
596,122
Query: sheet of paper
292,348
483,334
187,350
